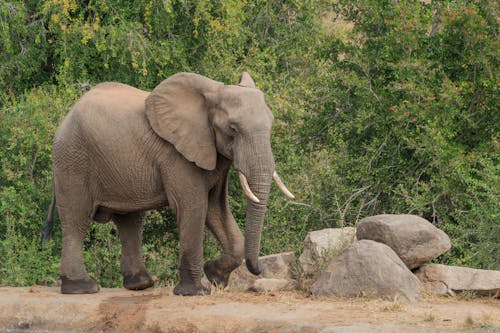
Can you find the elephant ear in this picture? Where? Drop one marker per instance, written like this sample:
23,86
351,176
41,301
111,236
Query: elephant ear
246,80
177,111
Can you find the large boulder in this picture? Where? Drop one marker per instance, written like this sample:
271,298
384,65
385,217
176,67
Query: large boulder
414,239
448,280
274,266
368,268
321,245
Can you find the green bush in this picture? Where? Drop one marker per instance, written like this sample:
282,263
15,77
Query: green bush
26,131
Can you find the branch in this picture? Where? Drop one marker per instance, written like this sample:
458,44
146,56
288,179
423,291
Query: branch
437,19
379,150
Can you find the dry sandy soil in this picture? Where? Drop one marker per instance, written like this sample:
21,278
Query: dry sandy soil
44,309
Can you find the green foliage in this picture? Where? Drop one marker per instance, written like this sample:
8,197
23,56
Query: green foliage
26,131
23,45
102,254
160,246
380,107
24,261
408,119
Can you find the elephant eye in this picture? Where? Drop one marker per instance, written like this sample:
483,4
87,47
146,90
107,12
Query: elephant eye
233,128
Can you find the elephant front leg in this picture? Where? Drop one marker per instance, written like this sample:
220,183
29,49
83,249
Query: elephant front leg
187,193
135,275
222,224
191,233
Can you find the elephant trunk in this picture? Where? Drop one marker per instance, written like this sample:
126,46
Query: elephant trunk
258,172
255,220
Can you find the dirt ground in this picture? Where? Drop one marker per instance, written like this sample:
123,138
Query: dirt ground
44,309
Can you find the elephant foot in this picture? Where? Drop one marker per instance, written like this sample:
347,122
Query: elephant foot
139,281
187,289
214,275
78,286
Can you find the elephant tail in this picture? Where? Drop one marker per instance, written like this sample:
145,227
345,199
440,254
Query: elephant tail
49,222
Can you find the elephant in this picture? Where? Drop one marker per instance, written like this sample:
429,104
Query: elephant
121,151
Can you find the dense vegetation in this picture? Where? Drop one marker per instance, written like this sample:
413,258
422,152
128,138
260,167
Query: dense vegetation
380,106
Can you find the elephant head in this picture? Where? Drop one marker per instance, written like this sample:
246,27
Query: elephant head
201,117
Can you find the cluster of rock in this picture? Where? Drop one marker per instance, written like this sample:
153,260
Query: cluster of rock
380,262
277,275
375,259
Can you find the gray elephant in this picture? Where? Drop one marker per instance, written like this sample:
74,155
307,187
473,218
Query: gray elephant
122,151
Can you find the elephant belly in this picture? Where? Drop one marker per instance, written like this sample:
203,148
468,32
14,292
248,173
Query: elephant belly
104,211
127,189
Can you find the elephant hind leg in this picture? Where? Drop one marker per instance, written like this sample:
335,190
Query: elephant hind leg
135,275
74,207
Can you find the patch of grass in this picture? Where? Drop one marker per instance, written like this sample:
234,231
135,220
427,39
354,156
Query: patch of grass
486,323
427,293
368,296
216,289
394,306
167,287
469,321
487,327
467,295
487,317
429,317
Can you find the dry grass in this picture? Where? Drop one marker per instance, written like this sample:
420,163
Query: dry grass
395,306
334,24
217,289
469,321
429,317
467,295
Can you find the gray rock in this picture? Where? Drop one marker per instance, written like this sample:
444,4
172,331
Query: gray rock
273,285
448,280
321,245
241,278
275,266
278,265
414,239
368,268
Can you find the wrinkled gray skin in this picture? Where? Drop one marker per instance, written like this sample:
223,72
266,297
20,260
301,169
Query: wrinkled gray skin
122,151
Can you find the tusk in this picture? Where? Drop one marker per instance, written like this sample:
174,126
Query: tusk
282,186
246,188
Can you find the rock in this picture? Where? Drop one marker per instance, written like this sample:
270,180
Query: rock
276,266
448,280
368,268
273,285
414,239
241,279
321,245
